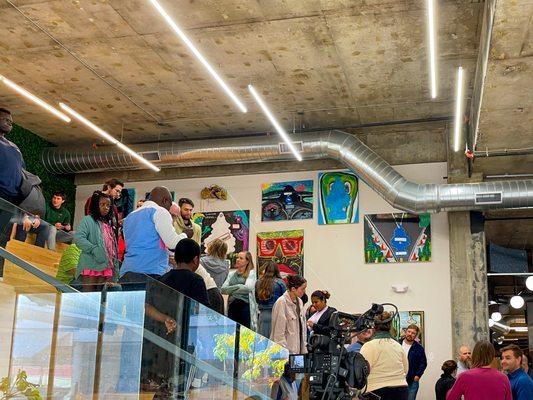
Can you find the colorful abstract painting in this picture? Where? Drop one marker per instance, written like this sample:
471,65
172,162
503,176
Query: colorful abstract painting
338,198
232,227
285,248
287,200
407,318
397,238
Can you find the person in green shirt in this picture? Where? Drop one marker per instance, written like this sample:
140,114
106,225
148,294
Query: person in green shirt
58,224
68,263
59,218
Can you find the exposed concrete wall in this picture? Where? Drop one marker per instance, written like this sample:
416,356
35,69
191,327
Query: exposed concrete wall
468,282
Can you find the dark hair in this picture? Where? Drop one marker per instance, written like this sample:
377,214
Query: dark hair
60,193
5,111
415,327
295,281
483,354
185,200
94,207
515,349
265,284
449,366
111,183
321,294
186,250
383,326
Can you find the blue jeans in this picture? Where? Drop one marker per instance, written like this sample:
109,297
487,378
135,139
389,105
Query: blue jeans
413,390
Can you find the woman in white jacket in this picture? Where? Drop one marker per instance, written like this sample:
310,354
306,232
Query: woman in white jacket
289,328
240,286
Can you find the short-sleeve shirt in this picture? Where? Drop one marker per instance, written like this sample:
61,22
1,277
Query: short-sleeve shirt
10,168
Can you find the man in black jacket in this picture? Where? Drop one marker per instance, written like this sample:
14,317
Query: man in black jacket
416,357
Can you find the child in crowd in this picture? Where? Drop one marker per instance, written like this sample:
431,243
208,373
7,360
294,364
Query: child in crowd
98,244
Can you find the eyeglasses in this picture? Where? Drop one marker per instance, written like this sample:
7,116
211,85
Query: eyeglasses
8,119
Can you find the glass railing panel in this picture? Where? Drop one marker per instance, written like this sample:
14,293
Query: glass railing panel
228,359
31,238
132,343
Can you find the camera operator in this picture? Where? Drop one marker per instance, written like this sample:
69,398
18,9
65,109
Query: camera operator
318,323
288,320
387,360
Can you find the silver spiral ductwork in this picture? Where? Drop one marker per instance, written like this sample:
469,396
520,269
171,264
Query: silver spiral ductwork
344,147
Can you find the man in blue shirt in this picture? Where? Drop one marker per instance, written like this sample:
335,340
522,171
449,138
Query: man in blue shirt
10,178
521,383
361,339
149,234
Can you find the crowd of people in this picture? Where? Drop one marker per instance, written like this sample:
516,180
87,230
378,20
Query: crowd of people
159,240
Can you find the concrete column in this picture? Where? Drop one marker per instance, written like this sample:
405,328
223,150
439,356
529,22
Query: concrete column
469,291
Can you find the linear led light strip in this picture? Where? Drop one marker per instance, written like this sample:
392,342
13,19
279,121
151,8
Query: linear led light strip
432,51
274,122
458,110
35,99
107,136
198,55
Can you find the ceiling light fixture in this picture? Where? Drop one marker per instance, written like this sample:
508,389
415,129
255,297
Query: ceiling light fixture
496,316
107,136
432,50
198,55
529,283
517,302
35,99
274,122
458,110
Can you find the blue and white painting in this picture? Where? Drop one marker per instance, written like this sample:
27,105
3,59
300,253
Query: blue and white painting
338,198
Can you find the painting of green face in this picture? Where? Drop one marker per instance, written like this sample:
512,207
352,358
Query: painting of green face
338,198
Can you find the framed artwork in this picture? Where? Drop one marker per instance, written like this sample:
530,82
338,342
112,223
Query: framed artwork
397,238
287,200
285,248
338,198
232,227
407,318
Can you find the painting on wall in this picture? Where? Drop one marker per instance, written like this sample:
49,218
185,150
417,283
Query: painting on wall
338,198
397,238
287,200
285,248
407,318
232,227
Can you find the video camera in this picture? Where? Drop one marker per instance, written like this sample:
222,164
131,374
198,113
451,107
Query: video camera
333,372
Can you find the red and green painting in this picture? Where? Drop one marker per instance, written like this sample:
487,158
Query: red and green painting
285,248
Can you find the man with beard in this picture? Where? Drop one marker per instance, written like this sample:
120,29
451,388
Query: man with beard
465,357
416,357
182,220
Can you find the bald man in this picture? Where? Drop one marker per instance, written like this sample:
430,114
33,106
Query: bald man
464,359
149,234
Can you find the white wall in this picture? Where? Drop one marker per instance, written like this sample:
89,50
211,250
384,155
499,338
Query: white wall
334,257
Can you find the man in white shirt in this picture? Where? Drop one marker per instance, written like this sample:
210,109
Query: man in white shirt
464,359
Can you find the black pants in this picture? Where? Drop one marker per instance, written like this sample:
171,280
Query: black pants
216,300
239,311
131,281
392,393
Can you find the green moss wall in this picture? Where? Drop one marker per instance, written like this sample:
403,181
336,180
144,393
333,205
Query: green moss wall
31,147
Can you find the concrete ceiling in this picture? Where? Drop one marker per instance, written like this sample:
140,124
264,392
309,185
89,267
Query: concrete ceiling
506,120
318,63
340,62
